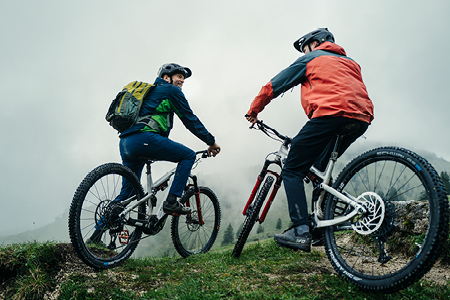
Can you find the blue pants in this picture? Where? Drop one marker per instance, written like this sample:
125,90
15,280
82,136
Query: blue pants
312,146
156,147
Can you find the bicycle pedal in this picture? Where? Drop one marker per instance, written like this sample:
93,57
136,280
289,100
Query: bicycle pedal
124,237
172,214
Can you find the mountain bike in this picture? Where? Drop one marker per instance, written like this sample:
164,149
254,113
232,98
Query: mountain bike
383,221
105,230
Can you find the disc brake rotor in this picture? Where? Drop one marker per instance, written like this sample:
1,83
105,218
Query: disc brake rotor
370,221
192,221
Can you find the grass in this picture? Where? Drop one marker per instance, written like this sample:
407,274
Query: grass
264,271
27,269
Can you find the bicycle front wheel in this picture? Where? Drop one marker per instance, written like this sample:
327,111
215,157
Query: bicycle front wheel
252,216
400,236
98,236
197,231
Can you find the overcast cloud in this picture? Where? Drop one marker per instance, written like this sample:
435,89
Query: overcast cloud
62,62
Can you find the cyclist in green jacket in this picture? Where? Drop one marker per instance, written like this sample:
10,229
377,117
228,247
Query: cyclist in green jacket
150,136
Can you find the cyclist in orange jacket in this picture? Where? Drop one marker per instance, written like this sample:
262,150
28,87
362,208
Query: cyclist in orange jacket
333,95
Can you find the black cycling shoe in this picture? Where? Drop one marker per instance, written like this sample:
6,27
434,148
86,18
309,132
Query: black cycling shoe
175,208
290,239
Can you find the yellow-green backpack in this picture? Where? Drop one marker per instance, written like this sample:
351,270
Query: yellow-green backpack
124,109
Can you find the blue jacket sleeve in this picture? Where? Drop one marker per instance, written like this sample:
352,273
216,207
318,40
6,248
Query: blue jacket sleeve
187,116
289,77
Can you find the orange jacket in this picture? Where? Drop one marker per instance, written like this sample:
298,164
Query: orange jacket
331,82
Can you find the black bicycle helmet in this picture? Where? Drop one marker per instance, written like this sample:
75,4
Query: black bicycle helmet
172,69
320,34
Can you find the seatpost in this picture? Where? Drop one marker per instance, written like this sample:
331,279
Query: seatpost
335,153
332,160
149,178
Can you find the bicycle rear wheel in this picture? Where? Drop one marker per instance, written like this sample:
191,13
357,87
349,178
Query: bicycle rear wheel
251,216
188,235
400,237
98,236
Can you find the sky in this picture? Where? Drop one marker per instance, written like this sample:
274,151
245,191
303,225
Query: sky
62,63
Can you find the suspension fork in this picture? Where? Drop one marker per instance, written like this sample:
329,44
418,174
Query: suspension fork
259,180
197,199
272,196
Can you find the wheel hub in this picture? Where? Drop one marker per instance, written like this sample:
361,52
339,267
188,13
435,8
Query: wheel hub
106,215
192,221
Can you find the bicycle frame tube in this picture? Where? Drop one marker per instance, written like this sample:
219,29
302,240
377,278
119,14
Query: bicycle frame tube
359,209
160,185
152,189
325,178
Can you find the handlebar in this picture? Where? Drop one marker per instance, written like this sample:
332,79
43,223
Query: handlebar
204,153
265,128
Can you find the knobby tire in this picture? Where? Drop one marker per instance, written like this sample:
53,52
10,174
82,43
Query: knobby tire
252,216
91,203
398,253
188,235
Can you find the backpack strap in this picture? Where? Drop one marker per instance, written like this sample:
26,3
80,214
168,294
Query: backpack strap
150,122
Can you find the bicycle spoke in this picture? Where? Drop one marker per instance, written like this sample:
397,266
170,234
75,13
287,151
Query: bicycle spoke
188,234
94,225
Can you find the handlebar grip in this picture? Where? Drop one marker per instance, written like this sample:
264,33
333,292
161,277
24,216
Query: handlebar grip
202,152
257,122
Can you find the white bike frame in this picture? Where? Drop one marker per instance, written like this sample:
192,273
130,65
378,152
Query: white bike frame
280,157
152,189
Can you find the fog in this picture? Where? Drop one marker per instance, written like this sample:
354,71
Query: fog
62,63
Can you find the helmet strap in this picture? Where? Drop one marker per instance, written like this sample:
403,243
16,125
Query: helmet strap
170,78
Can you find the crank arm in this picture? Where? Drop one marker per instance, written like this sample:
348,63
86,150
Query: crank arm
128,209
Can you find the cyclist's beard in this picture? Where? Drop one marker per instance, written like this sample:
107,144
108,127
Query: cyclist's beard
171,82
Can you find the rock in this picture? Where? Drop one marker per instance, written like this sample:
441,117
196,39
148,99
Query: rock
412,215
